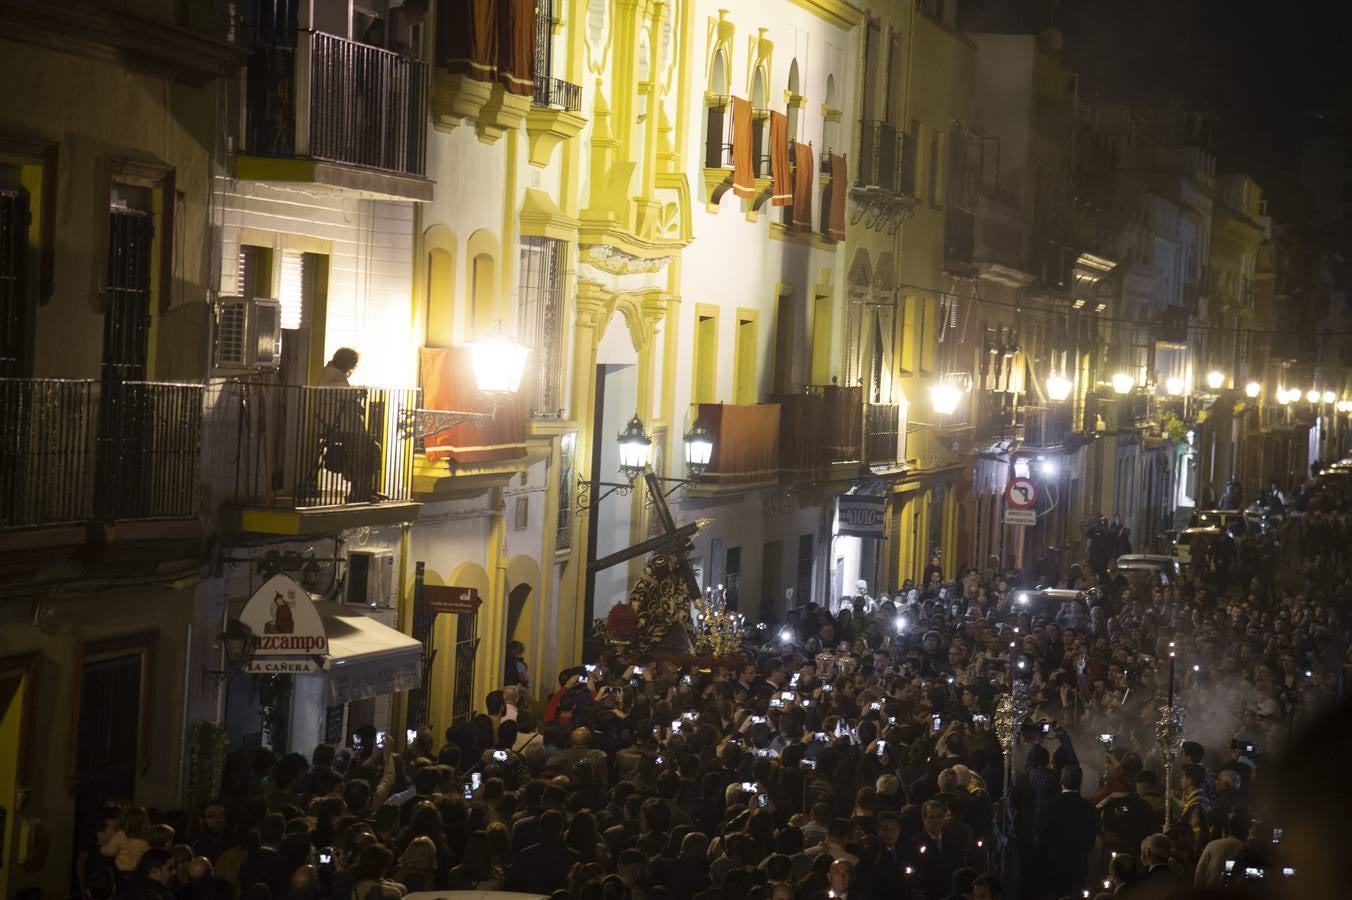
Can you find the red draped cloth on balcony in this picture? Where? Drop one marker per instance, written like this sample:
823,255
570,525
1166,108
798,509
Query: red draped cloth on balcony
516,46
448,384
746,442
468,41
781,176
743,166
804,174
835,219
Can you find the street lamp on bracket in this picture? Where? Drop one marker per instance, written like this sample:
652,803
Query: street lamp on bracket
635,447
237,647
498,363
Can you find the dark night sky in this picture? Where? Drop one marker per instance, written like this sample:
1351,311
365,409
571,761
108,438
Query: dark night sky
1271,72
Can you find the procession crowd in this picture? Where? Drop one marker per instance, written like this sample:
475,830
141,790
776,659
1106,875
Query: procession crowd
857,751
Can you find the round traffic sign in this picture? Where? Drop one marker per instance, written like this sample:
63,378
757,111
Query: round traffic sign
1021,493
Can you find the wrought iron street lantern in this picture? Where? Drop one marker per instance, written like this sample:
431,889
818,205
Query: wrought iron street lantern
699,449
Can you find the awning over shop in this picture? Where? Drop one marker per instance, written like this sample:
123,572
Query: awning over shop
366,658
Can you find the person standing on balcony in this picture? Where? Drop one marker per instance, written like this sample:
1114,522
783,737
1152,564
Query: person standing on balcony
343,418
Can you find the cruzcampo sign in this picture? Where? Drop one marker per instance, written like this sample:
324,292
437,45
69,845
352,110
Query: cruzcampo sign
284,620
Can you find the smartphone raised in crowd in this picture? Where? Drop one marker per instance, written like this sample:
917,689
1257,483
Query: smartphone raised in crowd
411,736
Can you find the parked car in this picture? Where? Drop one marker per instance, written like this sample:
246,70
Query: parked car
1233,521
1045,602
1185,549
1151,564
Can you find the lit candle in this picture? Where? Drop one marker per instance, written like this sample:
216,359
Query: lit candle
1171,674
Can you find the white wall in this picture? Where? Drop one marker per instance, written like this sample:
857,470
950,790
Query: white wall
370,278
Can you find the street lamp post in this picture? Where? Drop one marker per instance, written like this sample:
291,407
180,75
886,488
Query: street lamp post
236,652
635,448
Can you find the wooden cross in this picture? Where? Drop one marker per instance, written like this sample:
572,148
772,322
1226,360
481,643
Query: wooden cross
670,538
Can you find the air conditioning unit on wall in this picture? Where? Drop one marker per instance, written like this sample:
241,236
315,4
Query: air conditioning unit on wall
370,577
247,335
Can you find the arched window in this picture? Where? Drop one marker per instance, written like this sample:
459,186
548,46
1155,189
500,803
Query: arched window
831,116
795,100
440,298
718,136
483,278
718,77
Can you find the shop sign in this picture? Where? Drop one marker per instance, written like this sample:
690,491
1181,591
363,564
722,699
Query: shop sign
447,598
1020,517
277,665
284,620
861,516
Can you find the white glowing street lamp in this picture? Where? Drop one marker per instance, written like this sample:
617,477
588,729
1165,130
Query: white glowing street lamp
944,398
1312,396
1123,383
635,448
1174,386
699,448
1329,396
1215,379
498,363
1058,388
1252,389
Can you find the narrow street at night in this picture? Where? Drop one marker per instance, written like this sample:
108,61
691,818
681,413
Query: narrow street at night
675,450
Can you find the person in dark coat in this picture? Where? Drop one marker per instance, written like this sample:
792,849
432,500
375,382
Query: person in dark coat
940,849
154,875
542,867
265,863
1067,836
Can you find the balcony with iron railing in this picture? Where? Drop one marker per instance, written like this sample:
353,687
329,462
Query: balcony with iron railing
1047,426
339,112
878,162
718,133
842,421
802,454
1000,229
293,459
555,93
882,423
827,432
959,235
79,451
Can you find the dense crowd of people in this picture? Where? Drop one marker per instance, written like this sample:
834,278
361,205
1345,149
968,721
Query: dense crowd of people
845,752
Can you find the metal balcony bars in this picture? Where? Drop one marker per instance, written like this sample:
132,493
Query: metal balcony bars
878,155
149,450
320,96
14,312
46,443
141,439
550,92
718,139
300,447
555,93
